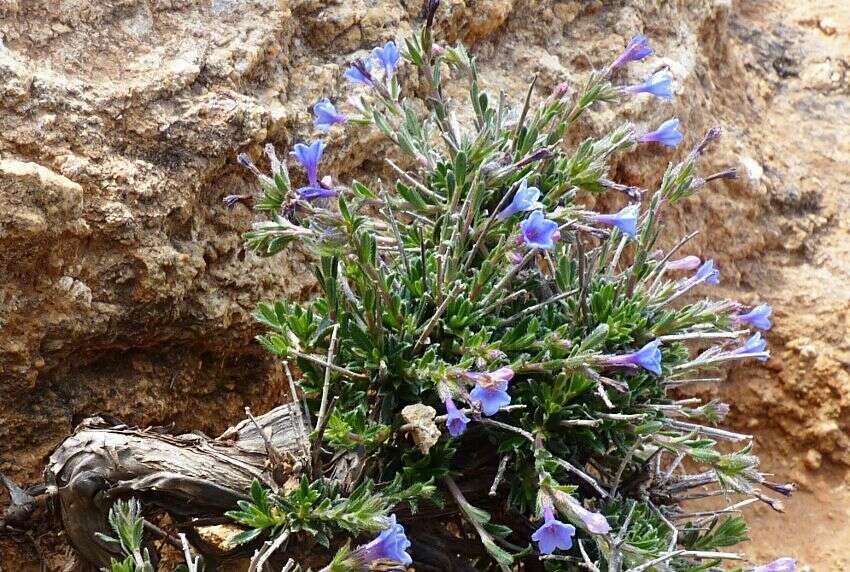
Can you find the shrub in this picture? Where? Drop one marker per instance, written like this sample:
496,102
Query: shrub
487,354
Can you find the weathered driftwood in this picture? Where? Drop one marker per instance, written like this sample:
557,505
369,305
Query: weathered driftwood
187,475
196,479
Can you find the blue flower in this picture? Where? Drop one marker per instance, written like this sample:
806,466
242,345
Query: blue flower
625,220
327,115
388,57
637,49
391,544
758,317
666,134
456,421
309,157
782,565
491,389
754,345
659,84
553,534
647,357
525,199
538,231
707,273
360,72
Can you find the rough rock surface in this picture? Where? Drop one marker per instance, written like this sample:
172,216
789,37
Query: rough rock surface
125,287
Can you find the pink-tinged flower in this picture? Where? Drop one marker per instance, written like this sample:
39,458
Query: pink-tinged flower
685,263
595,522
491,389
758,317
562,89
553,534
667,134
782,565
538,231
637,49
456,421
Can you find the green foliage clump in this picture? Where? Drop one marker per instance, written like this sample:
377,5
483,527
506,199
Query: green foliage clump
487,349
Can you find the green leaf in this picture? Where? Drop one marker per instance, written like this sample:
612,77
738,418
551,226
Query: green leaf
499,555
245,536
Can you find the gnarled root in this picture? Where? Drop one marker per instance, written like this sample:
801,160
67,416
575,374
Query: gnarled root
188,476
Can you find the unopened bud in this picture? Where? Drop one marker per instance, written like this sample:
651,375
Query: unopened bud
562,89
786,489
686,263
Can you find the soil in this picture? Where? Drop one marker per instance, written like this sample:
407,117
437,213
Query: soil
125,288
797,403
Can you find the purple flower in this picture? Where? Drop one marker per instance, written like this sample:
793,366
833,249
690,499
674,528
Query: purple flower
553,534
388,57
686,263
782,565
625,220
707,273
230,201
785,489
595,522
525,199
312,193
491,389
457,421
659,84
538,231
647,357
326,115
754,345
309,157
360,72
637,49
391,544
666,134
758,317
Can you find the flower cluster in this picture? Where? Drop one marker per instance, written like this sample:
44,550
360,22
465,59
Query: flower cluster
476,323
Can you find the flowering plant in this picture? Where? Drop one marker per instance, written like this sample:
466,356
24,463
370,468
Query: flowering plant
488,366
